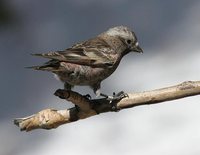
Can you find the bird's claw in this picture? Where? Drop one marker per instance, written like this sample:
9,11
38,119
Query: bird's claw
87,96
113,99
117,96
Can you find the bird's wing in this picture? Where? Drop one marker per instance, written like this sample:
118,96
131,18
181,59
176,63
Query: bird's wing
94,52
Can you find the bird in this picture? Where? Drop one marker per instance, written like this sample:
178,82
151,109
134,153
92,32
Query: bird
89,62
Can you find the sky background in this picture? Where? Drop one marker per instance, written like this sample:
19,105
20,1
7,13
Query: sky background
168,32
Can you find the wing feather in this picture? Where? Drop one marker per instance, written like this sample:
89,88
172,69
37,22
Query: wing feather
94,52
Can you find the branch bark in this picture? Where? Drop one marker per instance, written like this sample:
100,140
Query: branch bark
50,118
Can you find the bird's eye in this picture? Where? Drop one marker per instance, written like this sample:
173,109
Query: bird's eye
129,41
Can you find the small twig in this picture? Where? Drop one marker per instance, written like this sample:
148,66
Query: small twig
48,118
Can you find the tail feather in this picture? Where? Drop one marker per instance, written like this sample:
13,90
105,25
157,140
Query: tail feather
36,54
44,68
50,55
44,55
52,65
33,67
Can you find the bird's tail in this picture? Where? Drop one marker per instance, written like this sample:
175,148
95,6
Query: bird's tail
43,68
52,65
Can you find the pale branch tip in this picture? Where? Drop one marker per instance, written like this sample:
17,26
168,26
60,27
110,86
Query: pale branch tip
85,107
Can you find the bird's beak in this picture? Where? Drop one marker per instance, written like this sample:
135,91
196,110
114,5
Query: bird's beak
137,48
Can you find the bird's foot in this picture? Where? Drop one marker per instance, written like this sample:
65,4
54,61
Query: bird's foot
119,95
115,96
113,99
87,96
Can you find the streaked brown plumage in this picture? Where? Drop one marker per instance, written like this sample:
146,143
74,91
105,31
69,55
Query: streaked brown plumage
91,61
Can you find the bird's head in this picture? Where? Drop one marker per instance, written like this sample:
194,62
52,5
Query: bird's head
127,36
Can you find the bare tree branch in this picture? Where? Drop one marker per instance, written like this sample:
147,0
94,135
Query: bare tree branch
50,118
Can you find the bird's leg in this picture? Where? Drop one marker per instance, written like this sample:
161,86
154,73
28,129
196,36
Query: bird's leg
67,86
96,88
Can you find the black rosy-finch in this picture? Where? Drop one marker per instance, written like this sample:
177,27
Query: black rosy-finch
90,62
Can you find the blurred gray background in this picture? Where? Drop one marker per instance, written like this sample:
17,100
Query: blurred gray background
168,32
